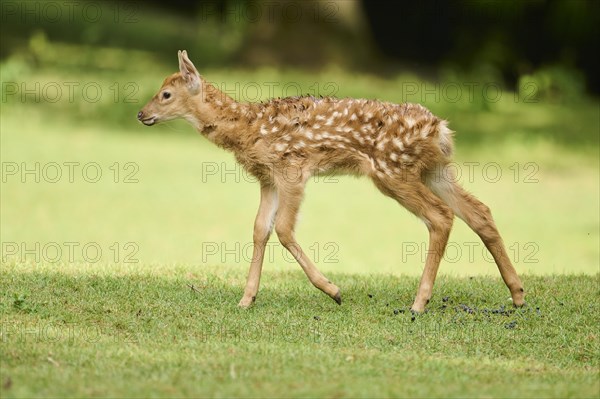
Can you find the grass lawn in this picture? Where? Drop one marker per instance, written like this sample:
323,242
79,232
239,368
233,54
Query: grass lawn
74,330
121,276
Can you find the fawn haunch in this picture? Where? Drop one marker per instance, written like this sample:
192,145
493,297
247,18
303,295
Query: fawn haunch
283,142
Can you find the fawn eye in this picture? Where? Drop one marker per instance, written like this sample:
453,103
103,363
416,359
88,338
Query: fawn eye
166,95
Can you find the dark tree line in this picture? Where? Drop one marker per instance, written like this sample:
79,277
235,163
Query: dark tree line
513,37
516,36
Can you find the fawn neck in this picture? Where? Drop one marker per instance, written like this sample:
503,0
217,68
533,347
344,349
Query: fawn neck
220,118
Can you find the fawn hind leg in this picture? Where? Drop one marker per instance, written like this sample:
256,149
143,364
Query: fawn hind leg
479,218
438,217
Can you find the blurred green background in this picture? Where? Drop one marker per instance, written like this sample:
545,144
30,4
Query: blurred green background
516,80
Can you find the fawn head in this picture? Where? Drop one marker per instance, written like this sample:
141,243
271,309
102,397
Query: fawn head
175,97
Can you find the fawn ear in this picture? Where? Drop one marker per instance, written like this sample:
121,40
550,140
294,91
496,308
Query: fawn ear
189,72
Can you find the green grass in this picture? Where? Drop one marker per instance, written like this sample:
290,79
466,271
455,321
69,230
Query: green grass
73,330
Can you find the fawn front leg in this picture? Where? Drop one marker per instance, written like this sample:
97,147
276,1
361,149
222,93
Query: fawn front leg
285,222
263,226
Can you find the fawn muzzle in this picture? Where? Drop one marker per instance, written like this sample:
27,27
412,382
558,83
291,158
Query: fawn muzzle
146,120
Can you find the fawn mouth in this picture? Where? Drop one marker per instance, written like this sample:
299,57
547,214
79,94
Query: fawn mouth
149,121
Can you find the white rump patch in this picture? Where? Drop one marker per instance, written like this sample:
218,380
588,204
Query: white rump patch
441,181
445,138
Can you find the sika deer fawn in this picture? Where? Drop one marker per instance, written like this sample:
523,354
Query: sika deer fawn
283,142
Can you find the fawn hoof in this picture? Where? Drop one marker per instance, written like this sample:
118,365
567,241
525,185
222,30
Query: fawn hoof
518,298
245,303
518,304
337,298
418,305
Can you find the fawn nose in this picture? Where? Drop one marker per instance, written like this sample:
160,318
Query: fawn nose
140,115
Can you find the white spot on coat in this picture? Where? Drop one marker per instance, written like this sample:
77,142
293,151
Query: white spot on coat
398,143
381,144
